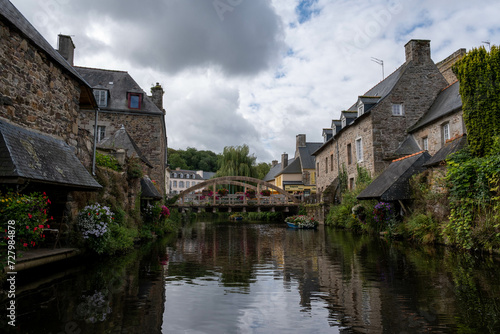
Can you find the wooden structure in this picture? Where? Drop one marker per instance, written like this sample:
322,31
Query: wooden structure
193,199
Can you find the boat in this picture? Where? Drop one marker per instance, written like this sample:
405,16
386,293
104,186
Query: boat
301,222
236,217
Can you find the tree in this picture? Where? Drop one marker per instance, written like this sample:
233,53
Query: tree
192,159
236,161
479,74
262,169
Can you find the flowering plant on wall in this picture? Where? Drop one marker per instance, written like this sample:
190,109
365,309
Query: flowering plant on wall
265,192
250,193
30,213
94,222
222,192
382,212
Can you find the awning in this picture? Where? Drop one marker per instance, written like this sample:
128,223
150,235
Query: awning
26,156
394,182
148,189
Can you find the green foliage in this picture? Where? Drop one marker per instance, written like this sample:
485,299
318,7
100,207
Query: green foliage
422,228
479,75
192,159
343,179
134,168
156,220
104,160
262,170
30,213
364,178
236,161
474,191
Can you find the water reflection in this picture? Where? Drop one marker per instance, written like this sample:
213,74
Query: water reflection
264,278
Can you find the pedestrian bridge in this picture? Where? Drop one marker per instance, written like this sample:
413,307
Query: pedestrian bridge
195,199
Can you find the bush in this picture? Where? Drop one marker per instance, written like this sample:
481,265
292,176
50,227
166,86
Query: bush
108,161
30,212
94,223
422,228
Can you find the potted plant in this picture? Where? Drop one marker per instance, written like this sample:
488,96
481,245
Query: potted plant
222,192
266,192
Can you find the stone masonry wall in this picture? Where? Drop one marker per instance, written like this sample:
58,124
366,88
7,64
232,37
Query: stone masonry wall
34,92
434,132
146,130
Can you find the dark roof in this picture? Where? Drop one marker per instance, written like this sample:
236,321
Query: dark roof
394,182
447,101
27,155
450,147
384,87
407,147
305,154
293,168
122,140
289,183
148,189
275,171
118,83
191,173
11,14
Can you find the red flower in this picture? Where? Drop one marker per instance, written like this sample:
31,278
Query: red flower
48,201
35,229
44,193
40,226
30,216
51,218
25,245
48,226
43,235
27,227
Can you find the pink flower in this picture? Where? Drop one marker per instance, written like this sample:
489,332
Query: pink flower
27,227
25,245
35,229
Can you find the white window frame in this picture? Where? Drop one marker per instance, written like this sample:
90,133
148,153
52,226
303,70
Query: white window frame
344,121
425,143
101,132
397,109
175,184
445,128
359,149
361,109
101,97
187,184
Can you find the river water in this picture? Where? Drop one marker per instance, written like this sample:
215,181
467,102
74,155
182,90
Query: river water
250,277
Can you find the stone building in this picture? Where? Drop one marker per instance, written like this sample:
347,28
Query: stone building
41,95
122,102
379,132
182,179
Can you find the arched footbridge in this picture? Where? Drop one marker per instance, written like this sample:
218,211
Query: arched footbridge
197,199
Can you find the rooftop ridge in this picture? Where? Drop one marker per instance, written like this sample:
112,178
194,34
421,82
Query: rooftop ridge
100,69
409,156
445,88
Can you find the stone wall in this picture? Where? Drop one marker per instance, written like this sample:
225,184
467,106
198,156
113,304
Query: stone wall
434,132
34,92
445,66
146,130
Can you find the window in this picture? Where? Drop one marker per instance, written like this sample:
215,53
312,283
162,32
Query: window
359,149
425,143
181,184
134,100
175,184
397,109
317,168
331,162
175,174
445,132
349,154
361,109
351,183
344,121
326,165
101,97
187,184
101,132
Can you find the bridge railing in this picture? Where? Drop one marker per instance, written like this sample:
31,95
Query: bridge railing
232,199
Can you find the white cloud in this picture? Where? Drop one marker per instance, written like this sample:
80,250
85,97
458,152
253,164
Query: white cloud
259,76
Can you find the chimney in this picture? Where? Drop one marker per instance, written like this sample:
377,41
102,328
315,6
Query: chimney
157,95
284,161
418,51
66,48
274,163
301,140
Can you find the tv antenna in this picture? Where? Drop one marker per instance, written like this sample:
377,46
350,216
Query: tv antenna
487,43
380,62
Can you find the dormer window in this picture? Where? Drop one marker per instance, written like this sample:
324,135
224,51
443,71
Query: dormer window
101,97
361,109
134,100
344,121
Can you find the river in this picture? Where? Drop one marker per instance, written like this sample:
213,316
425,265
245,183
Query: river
251,277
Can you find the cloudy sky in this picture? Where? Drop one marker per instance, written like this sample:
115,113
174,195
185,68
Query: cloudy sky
258,72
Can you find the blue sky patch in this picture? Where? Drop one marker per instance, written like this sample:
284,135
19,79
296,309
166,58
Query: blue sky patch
306,9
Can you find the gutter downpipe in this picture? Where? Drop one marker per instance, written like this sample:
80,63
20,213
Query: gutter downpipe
95,140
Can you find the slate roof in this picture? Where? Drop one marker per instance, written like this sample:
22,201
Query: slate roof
450,147
305,154
190,173
447,101
394,182
122,140
32,156
275,171
407,147
118,84
11,14
148,189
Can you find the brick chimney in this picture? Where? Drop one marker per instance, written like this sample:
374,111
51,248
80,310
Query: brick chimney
418,51
284,161
157,95
301,140
66,48
274,163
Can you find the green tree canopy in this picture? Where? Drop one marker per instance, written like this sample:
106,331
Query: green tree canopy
479,74
237,161
192,159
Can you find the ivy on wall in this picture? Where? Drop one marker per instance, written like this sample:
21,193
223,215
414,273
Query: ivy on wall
479,73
